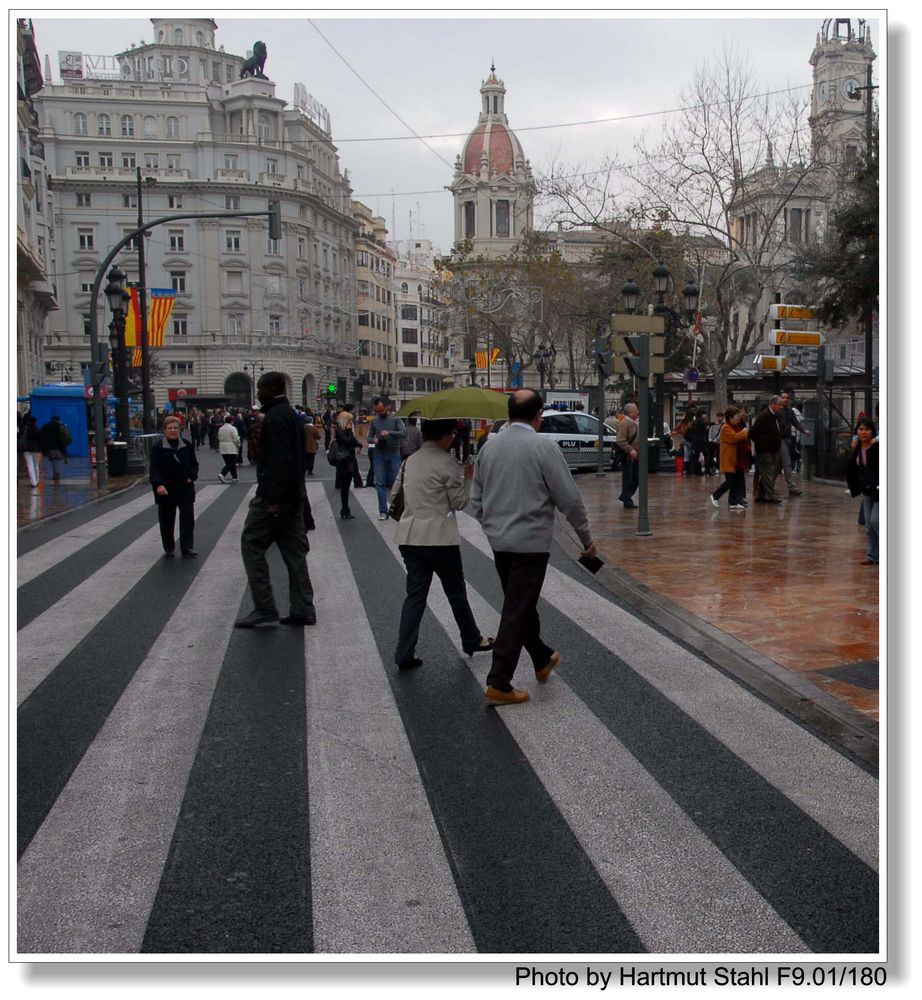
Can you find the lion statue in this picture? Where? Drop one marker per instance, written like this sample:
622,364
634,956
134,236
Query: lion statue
254,65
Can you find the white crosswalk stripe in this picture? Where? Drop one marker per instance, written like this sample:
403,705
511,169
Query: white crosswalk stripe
374,844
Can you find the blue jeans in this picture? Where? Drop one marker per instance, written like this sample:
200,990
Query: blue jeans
871,525
387,465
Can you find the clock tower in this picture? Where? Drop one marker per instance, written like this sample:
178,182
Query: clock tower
838,111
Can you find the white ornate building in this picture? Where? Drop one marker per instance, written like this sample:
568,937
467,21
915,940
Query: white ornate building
493,186
205,140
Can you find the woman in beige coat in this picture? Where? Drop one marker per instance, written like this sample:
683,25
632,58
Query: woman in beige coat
434,487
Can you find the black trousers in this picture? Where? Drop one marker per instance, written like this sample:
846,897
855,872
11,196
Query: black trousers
230,465
166,515
422,562
735,482
522,576
630,476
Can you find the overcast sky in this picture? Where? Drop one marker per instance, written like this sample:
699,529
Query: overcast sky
429,71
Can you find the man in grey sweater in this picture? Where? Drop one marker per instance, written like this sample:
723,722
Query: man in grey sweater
520,479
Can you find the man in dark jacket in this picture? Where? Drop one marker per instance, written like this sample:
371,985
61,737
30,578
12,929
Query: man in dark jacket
698,439
54,447
765,434
276,513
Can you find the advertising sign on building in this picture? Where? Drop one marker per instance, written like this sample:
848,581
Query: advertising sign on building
71,65
314,110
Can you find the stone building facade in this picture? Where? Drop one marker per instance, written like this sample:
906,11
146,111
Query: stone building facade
36,293
204,140
375,262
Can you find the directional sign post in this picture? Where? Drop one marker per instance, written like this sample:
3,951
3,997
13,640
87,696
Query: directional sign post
804,338
782,310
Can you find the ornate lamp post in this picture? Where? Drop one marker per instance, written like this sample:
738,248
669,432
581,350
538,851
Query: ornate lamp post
253,369
119,299
472,368
542,357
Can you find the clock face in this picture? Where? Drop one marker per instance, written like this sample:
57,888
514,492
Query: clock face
824,92
850,89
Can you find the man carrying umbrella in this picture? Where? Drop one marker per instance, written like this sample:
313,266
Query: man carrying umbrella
520,477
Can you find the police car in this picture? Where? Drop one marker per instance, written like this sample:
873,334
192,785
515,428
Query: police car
577,436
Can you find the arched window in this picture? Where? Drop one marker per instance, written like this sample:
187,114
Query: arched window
419,289
177,36
79,123
127,126
420,385
104,125
172,128
263,127
200,39
150,127
404,287
406,385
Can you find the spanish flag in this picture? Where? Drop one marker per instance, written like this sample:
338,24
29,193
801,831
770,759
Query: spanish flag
133,319
161,305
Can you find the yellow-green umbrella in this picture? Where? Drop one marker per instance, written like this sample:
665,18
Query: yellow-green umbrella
469,402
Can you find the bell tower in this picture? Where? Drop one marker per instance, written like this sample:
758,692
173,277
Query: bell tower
840,63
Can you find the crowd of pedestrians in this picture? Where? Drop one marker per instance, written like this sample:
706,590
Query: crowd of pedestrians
518,482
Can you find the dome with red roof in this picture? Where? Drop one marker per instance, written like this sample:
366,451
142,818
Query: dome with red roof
492,143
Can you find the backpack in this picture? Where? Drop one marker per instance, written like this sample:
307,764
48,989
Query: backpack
66,436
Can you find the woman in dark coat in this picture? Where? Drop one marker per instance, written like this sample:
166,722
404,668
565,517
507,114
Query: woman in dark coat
173,471
863,477
346,466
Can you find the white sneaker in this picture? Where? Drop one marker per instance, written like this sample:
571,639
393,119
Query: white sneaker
223,480
382,517
737,506
714,501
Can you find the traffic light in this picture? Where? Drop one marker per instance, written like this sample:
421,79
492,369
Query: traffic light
332,389
602,356
275,220
638,356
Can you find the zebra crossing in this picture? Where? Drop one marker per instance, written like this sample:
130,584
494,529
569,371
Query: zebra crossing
185,787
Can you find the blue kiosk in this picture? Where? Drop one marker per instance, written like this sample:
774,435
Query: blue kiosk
69,401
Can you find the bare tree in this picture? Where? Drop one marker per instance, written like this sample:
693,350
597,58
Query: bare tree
719,177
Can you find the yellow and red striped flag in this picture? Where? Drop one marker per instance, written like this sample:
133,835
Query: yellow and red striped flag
133,319
161,305
136,358
494,354
481,358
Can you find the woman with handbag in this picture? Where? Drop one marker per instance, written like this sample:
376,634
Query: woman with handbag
863,477
433,487
342,449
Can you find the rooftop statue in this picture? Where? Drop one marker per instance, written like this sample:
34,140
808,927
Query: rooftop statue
254,65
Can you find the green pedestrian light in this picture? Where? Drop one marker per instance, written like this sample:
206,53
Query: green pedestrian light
331,388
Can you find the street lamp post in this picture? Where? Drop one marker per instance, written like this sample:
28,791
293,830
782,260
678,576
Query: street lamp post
254,369
118,302
542,356
641,348
472,368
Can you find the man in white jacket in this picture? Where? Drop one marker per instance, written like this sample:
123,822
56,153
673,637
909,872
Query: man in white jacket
228,446
520,479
